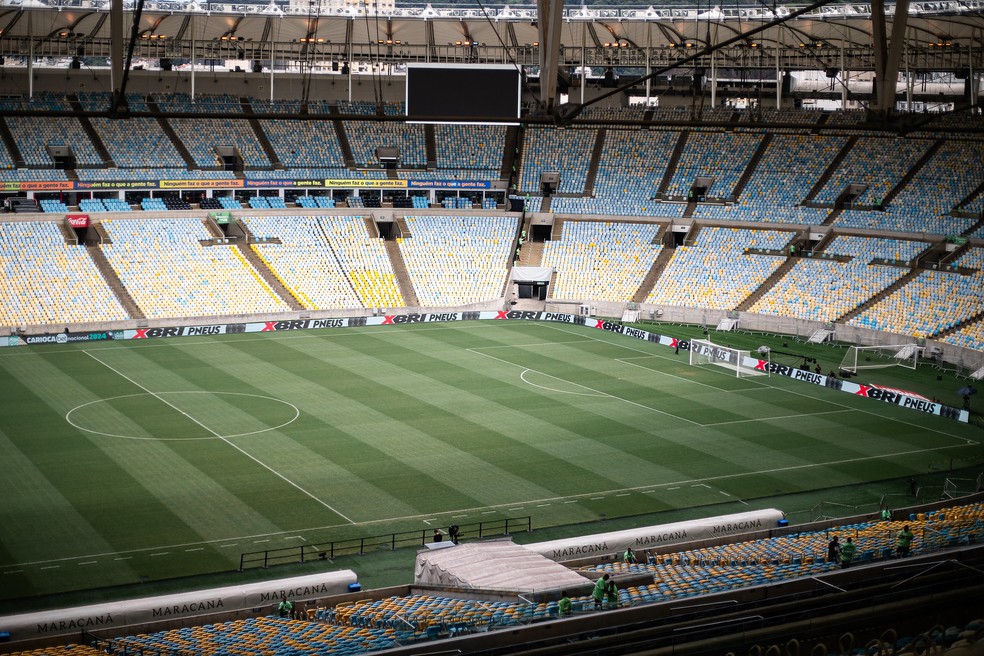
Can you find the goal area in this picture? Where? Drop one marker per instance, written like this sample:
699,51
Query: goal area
879,357
703,352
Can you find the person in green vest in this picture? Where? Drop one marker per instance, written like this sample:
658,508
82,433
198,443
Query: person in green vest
629,555
886,514
611,594
286,607
564,605
847,553
598,594
903,541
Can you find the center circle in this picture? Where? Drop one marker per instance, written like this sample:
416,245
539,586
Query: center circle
265,413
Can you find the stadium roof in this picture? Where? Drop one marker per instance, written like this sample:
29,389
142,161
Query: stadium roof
503,33
919,36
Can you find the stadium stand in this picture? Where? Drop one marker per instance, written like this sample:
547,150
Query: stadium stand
368,625
169,273
49,281
601,260
304,145
469,150
34,134
781,181
455,260
715,271
878,162
930,303
130,140
720,155
823,289
51,206
566,151
629,172
366,136
327,262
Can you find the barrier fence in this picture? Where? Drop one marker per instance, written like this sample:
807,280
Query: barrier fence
329,550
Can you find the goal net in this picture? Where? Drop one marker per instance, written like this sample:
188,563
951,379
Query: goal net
703,353
878,357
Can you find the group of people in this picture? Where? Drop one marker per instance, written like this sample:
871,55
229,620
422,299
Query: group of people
605,590
453,533
844,553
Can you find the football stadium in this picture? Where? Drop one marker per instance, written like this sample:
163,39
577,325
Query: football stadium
349,327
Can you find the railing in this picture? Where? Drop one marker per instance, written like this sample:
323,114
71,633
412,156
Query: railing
329,550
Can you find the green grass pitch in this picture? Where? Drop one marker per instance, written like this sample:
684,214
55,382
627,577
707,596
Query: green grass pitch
145,460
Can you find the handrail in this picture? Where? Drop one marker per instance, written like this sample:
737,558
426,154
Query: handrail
330,549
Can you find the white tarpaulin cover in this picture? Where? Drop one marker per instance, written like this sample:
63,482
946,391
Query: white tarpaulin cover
531,274
494,565
656,537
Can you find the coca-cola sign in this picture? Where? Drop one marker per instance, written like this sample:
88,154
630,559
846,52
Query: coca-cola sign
78,220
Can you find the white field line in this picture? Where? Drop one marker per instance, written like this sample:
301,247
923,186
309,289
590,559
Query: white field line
237,448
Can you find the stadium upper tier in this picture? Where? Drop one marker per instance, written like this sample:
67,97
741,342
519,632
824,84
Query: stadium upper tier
923,183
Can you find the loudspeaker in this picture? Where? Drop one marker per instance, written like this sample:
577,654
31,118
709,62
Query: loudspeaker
832,72
257,67
334,66
167,65
75,64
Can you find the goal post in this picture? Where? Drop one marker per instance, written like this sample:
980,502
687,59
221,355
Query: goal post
703,352
879,357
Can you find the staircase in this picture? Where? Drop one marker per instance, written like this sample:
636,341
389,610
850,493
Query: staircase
90,131
344,144
114,282
688,211
173,136
8,141
261,268
402,229
545,205
400,271
895,286
261,135
531,253
371,228
974,228
510,155
558,229
831,168
430,146
970,197
752,163
767,284
664,184
68,233
599,145
911,173
830,218
974,318
655,271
